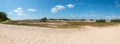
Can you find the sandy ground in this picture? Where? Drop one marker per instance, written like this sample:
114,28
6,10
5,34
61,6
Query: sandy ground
11,34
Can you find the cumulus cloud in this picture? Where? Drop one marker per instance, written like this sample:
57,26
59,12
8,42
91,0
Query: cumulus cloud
61,7
70,6
117,4
32,10
57,8
54,10
19,11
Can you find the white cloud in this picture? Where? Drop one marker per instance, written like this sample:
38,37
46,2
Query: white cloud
57,8
61,7
19,11
32,10
117,4
54,10
70,6
10,13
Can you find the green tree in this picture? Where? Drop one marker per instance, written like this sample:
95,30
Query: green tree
43,19
101,20
115,20
3,16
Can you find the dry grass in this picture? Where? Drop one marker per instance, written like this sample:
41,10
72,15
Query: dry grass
62,24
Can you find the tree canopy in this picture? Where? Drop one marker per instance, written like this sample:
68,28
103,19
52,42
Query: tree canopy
43,19
3,16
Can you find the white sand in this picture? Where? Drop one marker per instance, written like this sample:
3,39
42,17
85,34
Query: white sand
11,34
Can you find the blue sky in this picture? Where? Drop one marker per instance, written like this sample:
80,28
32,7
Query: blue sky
70,9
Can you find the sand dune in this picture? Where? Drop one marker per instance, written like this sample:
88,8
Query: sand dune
11,34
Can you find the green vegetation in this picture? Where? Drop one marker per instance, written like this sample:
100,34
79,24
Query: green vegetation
115,20
3,16
62,19
7,22
61,24
101,21
58,23
43,19
83,19
91,19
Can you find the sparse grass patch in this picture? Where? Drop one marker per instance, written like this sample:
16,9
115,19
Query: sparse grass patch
7,22
95,24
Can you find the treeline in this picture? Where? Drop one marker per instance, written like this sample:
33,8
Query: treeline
112,20
98,20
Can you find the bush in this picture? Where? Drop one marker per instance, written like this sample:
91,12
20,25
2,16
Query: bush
83,19
101,21
43,19
3,16
115,20
91,19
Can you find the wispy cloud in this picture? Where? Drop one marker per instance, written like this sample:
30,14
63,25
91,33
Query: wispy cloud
19,11
80,3
70,6
57,8
10,13
32,10
117,4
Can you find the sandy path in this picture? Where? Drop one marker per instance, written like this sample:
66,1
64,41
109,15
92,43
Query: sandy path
11,34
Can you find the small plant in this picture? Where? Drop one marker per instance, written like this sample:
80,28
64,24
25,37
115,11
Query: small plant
101,20
43,19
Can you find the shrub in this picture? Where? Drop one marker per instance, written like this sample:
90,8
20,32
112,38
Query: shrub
64,19
115,20
83,19
91,19
52,19
43,19
101,20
